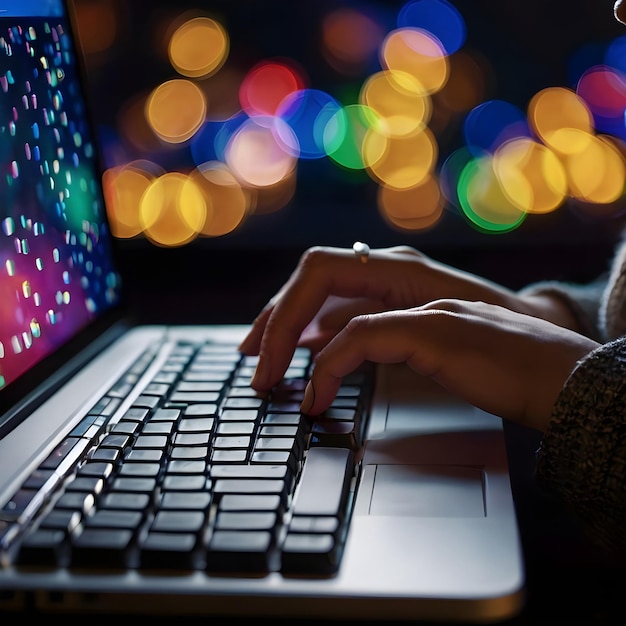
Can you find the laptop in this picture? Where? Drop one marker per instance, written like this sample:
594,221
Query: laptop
139,473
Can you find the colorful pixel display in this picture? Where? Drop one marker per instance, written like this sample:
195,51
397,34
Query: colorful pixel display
56,272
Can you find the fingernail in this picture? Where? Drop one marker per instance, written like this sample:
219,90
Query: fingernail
309,398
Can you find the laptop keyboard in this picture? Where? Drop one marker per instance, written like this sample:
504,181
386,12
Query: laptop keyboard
196,470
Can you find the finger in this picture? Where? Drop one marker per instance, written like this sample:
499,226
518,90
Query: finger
506,363
380,338
322,272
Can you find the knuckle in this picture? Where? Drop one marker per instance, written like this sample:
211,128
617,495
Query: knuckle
404,249
357,323
446,304
312,257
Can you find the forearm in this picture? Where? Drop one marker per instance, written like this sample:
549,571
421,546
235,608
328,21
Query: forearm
570,306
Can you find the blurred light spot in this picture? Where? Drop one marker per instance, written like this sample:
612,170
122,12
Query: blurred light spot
491,123
266,85
482,200
212,139
256,156
97,25
202,145
450,174
561,119
400,162
400,101
531,175
172,210
415,209
417,53
350,40
597,173
229,201
123,188
437,17
345,134
307,112
199,47
175,110
604,91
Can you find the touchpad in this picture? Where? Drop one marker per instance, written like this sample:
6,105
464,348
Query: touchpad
422,491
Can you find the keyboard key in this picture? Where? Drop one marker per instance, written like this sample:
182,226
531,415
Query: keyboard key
331,433
191,439
239,551
75,501
190,397
157,428
97,469
134,485
310,554
107,547
86,484
189,452
229,456
148,470
239,415
44,546
200,386
246,521
184,482
185,501
196,425
144,455
106,455
65,520
252,486
186,467
114,519
178,521
324,485
236,428
125,501
168,550
151,441
249,471
250,502
201,409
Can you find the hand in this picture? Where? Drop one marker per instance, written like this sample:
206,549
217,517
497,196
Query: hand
506,363
331,285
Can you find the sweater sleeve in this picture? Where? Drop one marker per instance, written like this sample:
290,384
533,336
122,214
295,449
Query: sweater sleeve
582,458
583,300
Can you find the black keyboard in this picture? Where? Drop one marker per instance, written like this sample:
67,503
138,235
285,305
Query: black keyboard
196,470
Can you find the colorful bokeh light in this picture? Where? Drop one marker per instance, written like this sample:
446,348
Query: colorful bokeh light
248,128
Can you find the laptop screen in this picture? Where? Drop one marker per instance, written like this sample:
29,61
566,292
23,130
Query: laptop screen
56,271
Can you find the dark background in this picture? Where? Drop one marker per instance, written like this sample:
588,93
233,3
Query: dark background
529,46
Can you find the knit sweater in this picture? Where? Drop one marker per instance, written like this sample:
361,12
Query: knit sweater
582,457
